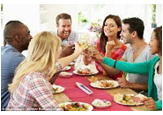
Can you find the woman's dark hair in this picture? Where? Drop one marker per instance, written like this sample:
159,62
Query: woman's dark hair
158,36
103,38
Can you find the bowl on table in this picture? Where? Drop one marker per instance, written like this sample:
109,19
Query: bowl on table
65,74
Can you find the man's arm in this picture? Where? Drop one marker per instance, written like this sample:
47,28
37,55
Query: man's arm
136,86
109,70
67,50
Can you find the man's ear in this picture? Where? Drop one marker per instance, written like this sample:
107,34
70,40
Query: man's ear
134,33
16,38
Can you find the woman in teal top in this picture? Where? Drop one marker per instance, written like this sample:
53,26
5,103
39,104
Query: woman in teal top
154,86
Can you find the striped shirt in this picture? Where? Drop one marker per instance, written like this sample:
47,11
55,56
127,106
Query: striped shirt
33,93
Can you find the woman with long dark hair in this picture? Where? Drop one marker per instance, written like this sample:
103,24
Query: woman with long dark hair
109,44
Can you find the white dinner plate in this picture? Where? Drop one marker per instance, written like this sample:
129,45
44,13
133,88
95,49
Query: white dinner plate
93,73
119,98
58,88
88,106
67,68
98,103
65,74
97,84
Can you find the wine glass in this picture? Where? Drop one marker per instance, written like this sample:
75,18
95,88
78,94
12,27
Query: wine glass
84,38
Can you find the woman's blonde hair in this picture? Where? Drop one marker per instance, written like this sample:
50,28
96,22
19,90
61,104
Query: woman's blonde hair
41,57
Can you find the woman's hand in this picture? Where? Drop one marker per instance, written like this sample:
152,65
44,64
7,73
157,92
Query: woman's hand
79,48
149,102
97,56
110,45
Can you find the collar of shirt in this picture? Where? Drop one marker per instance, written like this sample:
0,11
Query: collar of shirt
11,47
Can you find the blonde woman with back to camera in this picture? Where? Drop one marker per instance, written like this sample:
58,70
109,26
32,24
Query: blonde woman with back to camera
31,89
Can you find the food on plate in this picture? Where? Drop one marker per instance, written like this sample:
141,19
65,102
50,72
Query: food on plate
84,71
129,99
101,103
118,97
94,79
104,83
58,88
75,106
55,89
65,74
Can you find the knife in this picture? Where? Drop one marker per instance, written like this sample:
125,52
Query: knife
84,88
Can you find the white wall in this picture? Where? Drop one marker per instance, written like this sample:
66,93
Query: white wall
159,14
30,14
55,9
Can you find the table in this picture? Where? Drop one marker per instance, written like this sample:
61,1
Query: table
62,97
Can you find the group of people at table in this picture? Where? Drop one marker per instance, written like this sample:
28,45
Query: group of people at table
25,80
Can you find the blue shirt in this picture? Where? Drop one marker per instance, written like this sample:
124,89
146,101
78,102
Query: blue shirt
10,59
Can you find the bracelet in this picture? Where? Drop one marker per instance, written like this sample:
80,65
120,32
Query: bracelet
114,64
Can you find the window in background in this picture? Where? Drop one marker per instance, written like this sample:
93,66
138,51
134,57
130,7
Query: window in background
95,12
39,17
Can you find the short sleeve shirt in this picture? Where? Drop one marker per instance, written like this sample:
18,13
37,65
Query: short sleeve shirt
144,56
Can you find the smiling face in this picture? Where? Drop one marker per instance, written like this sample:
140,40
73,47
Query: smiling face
125,34
153,44
64,28
110,28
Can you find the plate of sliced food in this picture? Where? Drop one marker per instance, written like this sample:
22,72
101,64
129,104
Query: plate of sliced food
105,84
75,106
85,71
58,88
129,99
101,103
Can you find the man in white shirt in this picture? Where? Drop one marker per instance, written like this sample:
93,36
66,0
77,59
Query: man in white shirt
64,31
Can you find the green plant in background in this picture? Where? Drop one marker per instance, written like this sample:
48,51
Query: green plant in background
153,13
81,18
1,7
153,24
